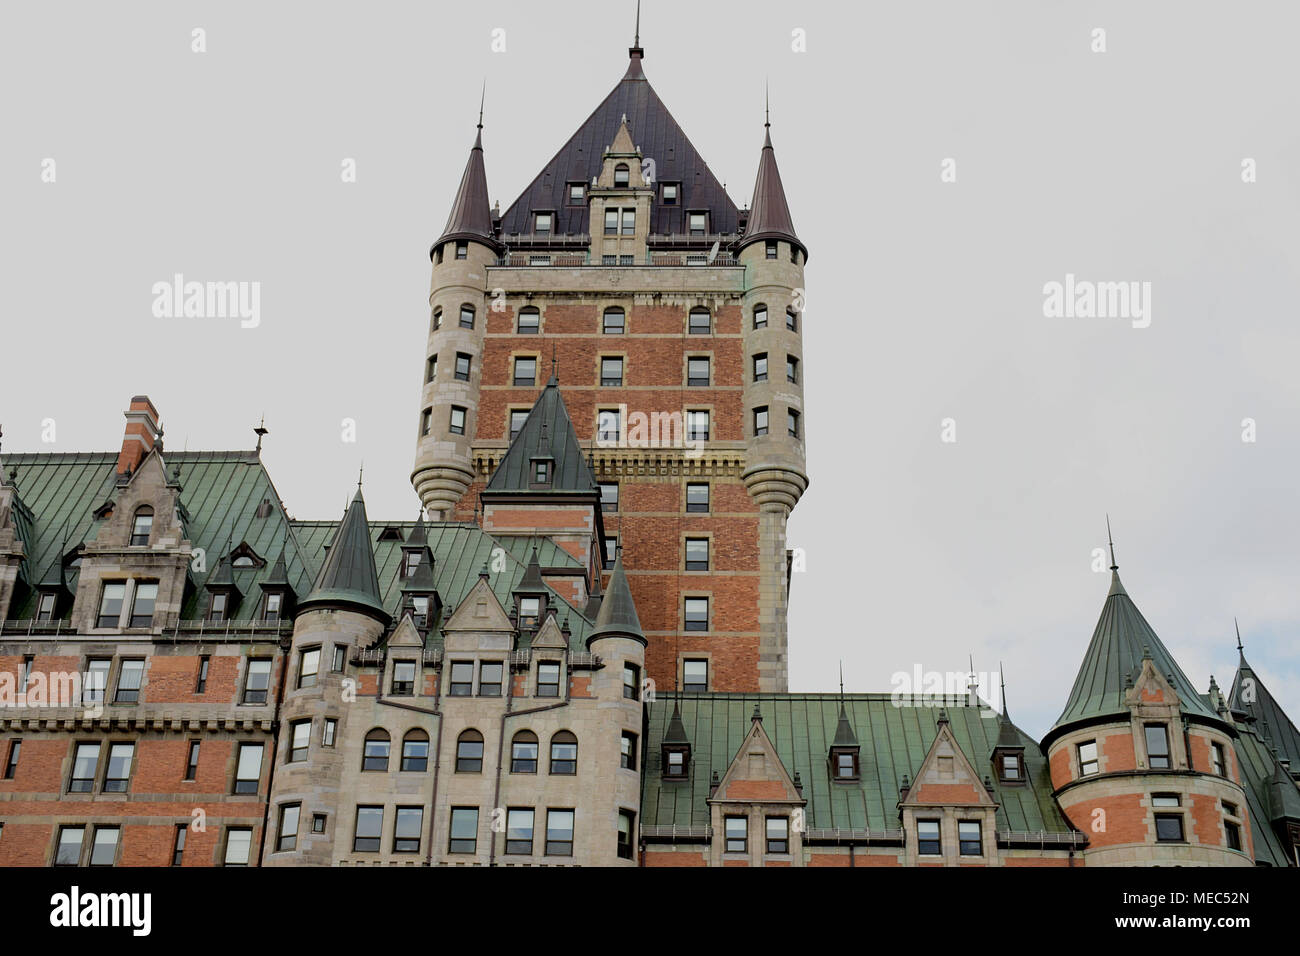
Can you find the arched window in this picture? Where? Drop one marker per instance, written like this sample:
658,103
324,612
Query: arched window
415,751
621,174
523,752
564,752
469,752
376,752
141,526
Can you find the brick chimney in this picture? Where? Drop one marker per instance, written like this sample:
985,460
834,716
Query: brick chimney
142,432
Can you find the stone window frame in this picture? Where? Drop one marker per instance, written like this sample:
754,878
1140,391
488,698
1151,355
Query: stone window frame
707,358
707,538
622,359
279,826
536,358
631,755
528,310
961,842
708,622
686,501
706,656
510,410
1166,812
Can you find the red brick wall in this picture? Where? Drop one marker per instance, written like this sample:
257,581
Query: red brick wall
1126,819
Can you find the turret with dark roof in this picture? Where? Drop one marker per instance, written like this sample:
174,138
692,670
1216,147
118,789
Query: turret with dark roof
617,617
348,579
1249,696
769,213
471,213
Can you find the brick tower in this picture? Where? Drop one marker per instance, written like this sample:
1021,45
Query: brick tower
671,321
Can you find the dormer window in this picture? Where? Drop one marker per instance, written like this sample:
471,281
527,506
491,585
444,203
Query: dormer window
272,606
669,194
530,610
677,759
1011,766
420,610
45,607
141,527
699,223
541,472
218,606
577,194
621,174
410,561
542,223
1157,738
844,764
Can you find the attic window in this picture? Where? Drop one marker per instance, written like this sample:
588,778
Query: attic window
621,174
390,533
699,223
420,608
669,194
462,250
1157,739
1011,766
45,608
245,557
141,527
770,249
541,472
542,223
844,764
410,561
577,195
529,611
677,758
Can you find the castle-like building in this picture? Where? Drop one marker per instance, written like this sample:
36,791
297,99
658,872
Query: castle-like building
577,654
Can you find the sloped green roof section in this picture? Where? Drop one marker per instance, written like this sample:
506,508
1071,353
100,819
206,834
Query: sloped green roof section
894,741
1114,660
348,575
546,433
1258,766
220,494
1251,697
617,615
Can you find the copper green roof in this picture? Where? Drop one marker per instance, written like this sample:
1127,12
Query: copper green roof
1251,697
617,616
1259,767
1113,662
894,742
348,577
546,433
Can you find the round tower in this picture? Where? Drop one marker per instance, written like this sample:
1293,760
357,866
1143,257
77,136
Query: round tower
459,308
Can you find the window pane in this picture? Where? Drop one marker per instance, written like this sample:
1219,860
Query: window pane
104,848
69,852
238,843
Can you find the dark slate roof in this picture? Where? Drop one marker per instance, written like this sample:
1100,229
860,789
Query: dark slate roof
659,137
617,614
471,216
1258,766
348,577
769,214
844,735
1270,720
547,432
1113,662
894,742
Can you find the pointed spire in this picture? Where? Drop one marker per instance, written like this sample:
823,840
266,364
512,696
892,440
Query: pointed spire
223,574
635,53
348,578
1241,651
547,432
1008,736
532,579
617,617
1111,540
1249,696
676,730
471,215
769,213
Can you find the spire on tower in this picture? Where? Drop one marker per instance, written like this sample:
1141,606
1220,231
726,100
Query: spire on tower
1113,565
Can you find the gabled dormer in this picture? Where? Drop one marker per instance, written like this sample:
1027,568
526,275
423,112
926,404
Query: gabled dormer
845,754
676,748
224,595
530,596
620,198
278,596
948,813
420,598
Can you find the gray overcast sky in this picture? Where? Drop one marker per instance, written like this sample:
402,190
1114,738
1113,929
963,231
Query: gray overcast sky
925,299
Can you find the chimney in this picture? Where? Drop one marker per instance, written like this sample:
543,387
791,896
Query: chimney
142,432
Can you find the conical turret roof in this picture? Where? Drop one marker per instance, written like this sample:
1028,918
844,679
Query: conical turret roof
348,578
1251,697
769,213
471,213
617,615
546,433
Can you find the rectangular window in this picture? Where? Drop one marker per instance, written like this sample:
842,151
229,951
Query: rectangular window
760,317
239,843
328,732
287,835
491,676
791,320
426,421
608,496
699,223
308,667
406,834
217,606
615,322
529,322
669,194
83,768
466,317
631,682
117,774
697,614
1157,737
559,833
778,834
461,370
340,659
792,422
457,424
45,609
700,322
626,829
517,418
103,849
760,420
128,681
608,425
969,839
542,223
318,823
697,554
606,260
611,549
142,605
697,371
927,838
11,762
178,844
760,367
611,222
791,369
695,676
258,680
462,250
299,740
192,761
431,369
110,604
370,827
525,371
462,678
415,753
403,678
629,222
96,680
1088,758
519,830
737,830
611,372
464,830
1010,766
627,758
697,496
1217,760
1232,835
69,851
769,249
248,773
1169,827
548,679
697,425
576,197
201,686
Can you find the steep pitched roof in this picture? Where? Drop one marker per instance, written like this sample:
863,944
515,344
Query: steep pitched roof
547,433
1113,662
1259,767
660,138
348,576
769,214
1251,697
471,215
617,614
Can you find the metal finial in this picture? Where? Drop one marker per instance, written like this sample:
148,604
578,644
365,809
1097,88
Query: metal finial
259,431
1002,676
767,105
1238,627
360,471
636,37
841,681
1111,540
554,364
481,100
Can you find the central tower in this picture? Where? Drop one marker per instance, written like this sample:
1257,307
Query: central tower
671,321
